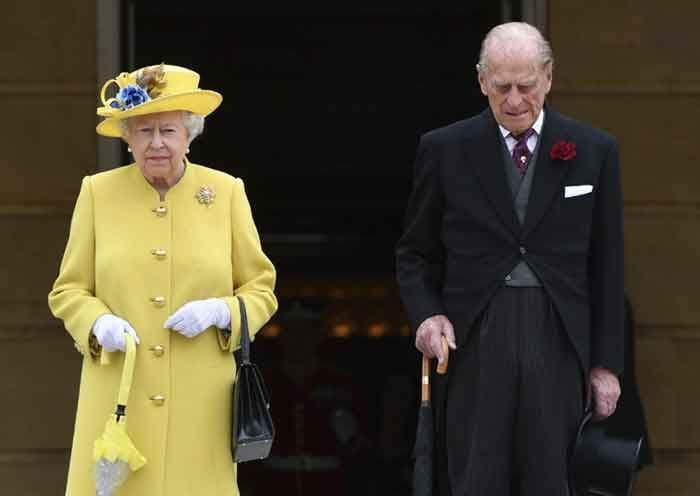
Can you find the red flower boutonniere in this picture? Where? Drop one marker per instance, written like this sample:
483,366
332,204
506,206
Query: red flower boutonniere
563,150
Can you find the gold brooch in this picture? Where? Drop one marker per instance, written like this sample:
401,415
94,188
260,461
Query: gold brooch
206,195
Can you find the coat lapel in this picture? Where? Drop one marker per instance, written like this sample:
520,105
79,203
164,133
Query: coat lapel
487,156
549,174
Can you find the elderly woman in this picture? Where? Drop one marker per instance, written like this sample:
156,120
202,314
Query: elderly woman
161,249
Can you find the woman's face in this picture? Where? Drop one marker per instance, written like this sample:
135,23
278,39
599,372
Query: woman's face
158,143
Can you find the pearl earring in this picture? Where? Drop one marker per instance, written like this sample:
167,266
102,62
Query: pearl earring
128,149
188,150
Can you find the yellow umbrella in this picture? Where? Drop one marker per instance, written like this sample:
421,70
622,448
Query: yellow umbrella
114,453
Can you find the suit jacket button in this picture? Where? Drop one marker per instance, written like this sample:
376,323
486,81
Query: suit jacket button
523,251
509,277
158,399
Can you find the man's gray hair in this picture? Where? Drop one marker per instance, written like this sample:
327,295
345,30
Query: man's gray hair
194,125
514,38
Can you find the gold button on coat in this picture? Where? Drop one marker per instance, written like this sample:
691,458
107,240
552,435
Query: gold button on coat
157,399
159,253
158,301
160,211
157,350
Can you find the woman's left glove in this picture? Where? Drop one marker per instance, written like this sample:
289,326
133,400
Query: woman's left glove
194,317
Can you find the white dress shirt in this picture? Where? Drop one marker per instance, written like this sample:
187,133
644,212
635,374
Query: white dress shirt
532,140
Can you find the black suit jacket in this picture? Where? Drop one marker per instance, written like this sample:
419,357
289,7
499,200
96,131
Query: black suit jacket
462,236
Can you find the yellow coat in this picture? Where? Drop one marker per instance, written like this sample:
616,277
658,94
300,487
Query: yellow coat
111,266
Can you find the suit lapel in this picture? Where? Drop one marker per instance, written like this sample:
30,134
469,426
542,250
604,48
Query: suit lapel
549,174
487,156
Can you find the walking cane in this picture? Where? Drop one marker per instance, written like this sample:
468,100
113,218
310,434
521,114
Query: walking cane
423,451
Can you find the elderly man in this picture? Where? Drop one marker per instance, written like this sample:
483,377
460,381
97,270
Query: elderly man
512,251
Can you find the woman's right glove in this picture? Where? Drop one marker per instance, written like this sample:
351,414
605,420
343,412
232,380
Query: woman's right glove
109,331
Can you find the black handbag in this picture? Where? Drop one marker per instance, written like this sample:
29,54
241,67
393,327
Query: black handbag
252,430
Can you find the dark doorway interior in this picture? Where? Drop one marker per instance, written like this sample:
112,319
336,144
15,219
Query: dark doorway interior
321,117
322,110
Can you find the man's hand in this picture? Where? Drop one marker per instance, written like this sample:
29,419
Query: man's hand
606,391
428,336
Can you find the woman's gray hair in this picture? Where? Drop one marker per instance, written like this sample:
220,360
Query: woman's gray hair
194,125
515,38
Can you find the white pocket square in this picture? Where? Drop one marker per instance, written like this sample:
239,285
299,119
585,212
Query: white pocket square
581,189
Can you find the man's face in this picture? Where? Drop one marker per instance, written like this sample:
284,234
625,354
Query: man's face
516,88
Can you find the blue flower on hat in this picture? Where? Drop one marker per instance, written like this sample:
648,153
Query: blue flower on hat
130,96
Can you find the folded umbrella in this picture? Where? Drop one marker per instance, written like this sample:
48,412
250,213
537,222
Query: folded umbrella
114,453
423,451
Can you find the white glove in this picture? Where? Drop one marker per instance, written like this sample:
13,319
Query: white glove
194,317
109,331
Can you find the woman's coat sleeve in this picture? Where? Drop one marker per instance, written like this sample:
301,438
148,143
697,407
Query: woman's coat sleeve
72,298
253,273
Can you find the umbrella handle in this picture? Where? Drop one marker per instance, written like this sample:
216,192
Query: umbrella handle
425,371
128,370
425,380
442,367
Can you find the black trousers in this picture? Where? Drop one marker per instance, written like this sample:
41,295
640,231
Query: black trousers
515,397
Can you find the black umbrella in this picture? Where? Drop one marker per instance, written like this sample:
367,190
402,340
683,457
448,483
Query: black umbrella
423,477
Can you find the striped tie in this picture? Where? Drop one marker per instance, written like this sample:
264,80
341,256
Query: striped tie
521,153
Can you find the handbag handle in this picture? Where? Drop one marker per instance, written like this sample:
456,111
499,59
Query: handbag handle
245,333
245,349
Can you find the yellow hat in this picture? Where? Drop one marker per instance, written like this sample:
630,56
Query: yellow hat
159,88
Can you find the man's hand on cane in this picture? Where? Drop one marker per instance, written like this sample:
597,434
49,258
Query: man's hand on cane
428,337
